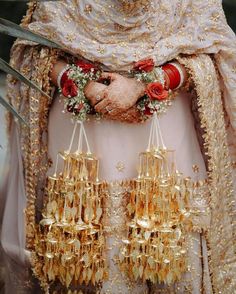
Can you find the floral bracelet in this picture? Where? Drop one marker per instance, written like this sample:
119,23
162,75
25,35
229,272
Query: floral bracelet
75,78
157,98
72,85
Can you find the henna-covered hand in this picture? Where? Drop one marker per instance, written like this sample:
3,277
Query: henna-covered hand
132,115
92,92
120,95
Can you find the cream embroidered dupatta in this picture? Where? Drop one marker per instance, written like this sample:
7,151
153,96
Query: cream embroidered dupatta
195,32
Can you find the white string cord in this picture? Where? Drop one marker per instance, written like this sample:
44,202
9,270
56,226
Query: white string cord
155,135
86,138
80,142
154,140
150,136
72,137
56,166
82,134
160,133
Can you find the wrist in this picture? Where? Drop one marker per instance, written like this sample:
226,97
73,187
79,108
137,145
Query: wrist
56,70
142,89
62,76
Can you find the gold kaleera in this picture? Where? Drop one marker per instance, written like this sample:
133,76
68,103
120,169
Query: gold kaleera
69,240
159,211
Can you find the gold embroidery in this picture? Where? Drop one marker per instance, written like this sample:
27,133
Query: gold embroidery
120,166
221,242
195,168
88,8
71,37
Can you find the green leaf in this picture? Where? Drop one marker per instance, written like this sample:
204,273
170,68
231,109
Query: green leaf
9,107
4,66
10,28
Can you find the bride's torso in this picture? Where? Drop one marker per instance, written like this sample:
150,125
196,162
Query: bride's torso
117,146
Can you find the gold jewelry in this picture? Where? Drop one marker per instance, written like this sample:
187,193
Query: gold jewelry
69,241
159,216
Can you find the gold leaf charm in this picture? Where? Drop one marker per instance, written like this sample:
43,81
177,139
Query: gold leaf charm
178,233
151,262
49,255
97,276
77,271
135,273
89,274
130,208
70,197
49,208
73,212
68,279
134,255
46,222
88,214
77,244
98,213
141,271
84,275
85,259
147,235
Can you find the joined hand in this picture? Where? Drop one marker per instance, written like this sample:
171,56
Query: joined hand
116,98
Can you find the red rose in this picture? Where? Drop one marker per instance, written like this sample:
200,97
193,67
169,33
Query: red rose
144,65
156,91
78,107
69,89
70,108
147,111
86,67
64,79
